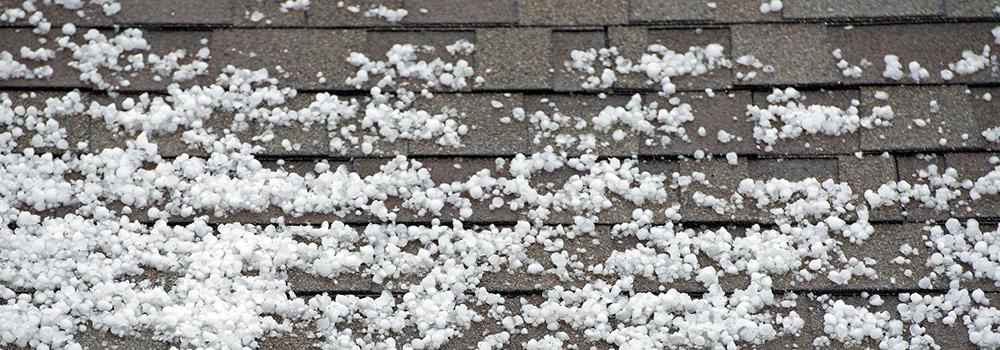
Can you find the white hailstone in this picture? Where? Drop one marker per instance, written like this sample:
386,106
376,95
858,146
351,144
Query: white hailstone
69,29
731,158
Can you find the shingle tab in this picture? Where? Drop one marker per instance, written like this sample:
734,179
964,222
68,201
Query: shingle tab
563,44
987,113
350,14
973,166
972,8
819,143
867,174
669,11
461,12
772,43
933,46
513,58
855,9
955,123
725,112
794,169
585,107
270,11
573,12
436,41
175,12
77,126
315,51
680,40
631,42
909,169
724,180
62,74
487,135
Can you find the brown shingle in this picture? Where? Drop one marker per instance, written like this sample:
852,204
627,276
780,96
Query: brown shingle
461,12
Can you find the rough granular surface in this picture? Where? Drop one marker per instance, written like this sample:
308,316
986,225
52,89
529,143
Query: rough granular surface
509,174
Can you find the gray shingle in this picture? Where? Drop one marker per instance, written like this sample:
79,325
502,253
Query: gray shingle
818,143
585,107
334,15
723,112
487,134
955,119
563,44
972,166
62,74
724,180
315,51
867,174
971,8
273,16
631,43
855,9
794,169
987,113
669,11
175,12
513,58
164,43
451,170
679,40
908,168
77,125
380,42
461,12
933,46
739,11
573,12
771,43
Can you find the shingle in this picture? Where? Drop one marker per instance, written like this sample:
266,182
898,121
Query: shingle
144,12
573,12
93,338
314,51
587,248
380,42
631,43
987,113
334,15
461,12
973,166
243,10
855,9
680,40
971,8
724,180
740,11
794,169
487,135
451,170
563,44
175,12
62,74
585,107
955,122
303,282
513,58
868,174
818,143
934,46
551,182
77,125
665,167
723,112
669,11
163,43
772,43
908,168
